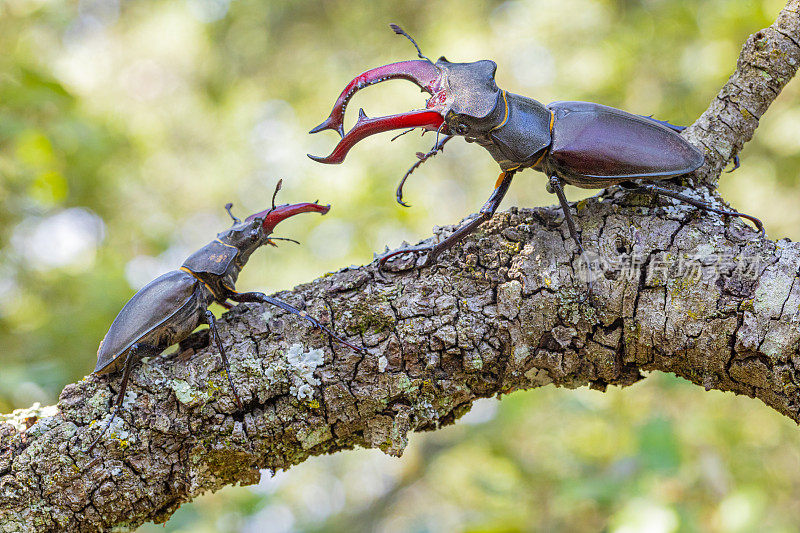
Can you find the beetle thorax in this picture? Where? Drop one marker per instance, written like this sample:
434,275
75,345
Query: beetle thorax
219,262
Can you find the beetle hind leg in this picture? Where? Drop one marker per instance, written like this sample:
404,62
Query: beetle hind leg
134,353
656,190
212,324
673,127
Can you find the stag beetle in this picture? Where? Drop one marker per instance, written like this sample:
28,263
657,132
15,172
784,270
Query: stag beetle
169,308
579,143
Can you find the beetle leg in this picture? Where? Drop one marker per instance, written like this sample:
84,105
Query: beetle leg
263,298
556,186
486,212
673,127
133,355
655,189
736,163
438,147
419,248
212,324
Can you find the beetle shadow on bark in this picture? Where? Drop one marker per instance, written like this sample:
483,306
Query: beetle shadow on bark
197,341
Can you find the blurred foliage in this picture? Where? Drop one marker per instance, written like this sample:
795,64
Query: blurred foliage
125,126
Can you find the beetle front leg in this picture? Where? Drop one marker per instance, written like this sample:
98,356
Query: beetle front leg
486,212
212,324
437,147
133,355
263,298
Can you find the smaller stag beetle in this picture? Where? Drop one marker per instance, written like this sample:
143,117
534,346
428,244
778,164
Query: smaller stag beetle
169,308
579,143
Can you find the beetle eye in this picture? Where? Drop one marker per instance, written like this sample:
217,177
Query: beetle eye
461,129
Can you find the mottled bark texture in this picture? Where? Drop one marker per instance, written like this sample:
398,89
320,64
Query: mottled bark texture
688,292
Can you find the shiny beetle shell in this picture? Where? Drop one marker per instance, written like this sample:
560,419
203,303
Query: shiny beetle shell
595,146
154,304
213,258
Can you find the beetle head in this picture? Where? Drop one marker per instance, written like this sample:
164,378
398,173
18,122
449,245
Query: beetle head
464,101
255,230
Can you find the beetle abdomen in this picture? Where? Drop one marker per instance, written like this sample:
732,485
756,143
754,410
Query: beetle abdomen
147,318
596,145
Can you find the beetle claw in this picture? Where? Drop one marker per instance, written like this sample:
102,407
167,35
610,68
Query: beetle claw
317,158
736,164
421,72
277,214
365,126
330,123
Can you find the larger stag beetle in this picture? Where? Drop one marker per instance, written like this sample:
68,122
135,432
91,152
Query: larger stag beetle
169,308
579,143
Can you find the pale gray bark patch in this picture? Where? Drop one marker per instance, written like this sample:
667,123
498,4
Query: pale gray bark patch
503,311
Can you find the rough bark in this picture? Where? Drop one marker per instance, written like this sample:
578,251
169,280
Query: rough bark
506,310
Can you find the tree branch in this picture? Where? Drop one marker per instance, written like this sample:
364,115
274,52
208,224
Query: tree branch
506,310
768,60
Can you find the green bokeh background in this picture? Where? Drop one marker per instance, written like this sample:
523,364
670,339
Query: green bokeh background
125,126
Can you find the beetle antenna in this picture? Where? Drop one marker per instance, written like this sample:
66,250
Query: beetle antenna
437,135
228,207
284,239
277,188
400,31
